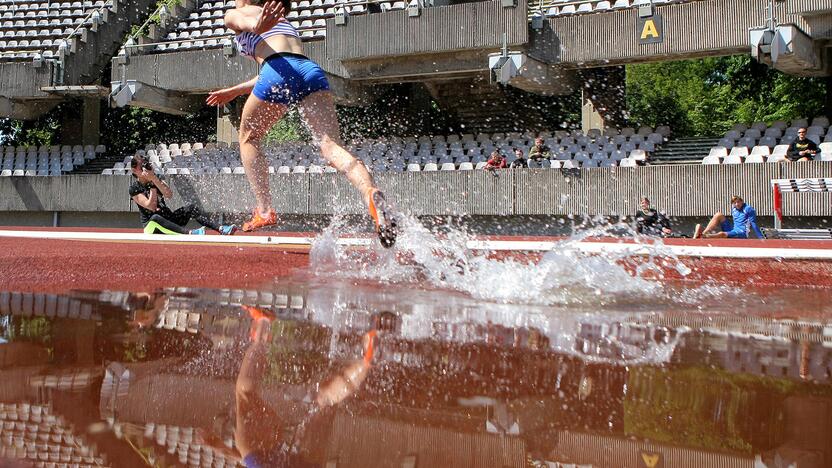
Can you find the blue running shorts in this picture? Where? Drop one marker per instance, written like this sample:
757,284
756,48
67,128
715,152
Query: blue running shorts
287,78
728,227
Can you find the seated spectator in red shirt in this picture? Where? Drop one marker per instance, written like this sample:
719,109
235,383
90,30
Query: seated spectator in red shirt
496,161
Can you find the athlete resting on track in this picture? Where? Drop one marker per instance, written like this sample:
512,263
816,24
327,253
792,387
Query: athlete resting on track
288,78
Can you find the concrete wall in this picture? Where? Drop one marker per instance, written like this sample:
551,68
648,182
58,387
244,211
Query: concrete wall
682,191
467,26
691,29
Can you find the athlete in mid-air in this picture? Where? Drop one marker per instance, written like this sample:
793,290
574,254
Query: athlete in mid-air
288,78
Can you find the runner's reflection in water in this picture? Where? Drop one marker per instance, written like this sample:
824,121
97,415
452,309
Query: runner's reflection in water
257,435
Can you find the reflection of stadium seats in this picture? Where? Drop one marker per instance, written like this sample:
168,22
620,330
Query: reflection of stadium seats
33,432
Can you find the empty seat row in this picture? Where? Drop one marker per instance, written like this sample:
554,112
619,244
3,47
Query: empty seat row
36,31
569,7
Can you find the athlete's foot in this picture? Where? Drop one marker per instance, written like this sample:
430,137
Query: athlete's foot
259,315
228,230
384,219
259,220
697,232
198,231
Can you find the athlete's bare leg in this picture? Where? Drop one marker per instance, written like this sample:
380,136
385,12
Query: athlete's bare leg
318,110
713,229
350,379
257,424
258,117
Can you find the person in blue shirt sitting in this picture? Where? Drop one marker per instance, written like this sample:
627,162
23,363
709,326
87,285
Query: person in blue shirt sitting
744,220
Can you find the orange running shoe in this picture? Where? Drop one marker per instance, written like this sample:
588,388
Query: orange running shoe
386,226
257,314
258,221
370,344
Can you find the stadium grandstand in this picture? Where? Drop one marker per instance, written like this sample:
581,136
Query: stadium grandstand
497,67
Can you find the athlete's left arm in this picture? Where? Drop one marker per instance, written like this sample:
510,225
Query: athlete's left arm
752,221
254,19
161,185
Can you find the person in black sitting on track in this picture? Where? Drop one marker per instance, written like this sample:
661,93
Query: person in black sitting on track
650,222
149,192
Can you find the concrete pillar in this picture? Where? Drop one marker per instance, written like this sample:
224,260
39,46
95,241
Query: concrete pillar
91,129
603,98
72,124
228,122
828,107
590,118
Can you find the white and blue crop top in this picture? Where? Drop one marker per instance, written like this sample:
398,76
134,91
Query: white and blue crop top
248,41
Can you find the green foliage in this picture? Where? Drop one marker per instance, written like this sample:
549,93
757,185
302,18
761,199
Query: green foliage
41,131
127,129
298,352
29,329
708,96
289,128
398,110
678,406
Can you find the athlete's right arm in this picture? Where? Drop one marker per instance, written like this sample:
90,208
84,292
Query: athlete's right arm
222,97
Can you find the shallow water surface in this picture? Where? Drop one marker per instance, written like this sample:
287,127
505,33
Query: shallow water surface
672,377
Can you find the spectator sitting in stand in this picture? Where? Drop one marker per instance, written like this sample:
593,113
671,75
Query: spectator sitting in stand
802,149
650,222
496,161
539,151
520,162
744,220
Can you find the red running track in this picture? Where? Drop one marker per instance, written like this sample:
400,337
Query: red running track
59,265
48,265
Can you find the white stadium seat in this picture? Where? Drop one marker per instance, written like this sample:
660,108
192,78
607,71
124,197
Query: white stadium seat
760,150
739,151
718,152
754,159
732,159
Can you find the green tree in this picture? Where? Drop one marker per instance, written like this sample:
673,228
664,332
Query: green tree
708,96
127,129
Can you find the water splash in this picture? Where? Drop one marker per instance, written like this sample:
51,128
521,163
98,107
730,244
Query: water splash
564,275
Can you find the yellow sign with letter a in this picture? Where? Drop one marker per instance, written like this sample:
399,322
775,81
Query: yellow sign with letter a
650,29
651,459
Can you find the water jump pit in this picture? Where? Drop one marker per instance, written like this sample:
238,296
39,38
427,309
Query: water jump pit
124,349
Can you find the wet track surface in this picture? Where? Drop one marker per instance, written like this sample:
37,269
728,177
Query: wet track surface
202,377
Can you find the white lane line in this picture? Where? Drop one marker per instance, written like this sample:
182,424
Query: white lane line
493,245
